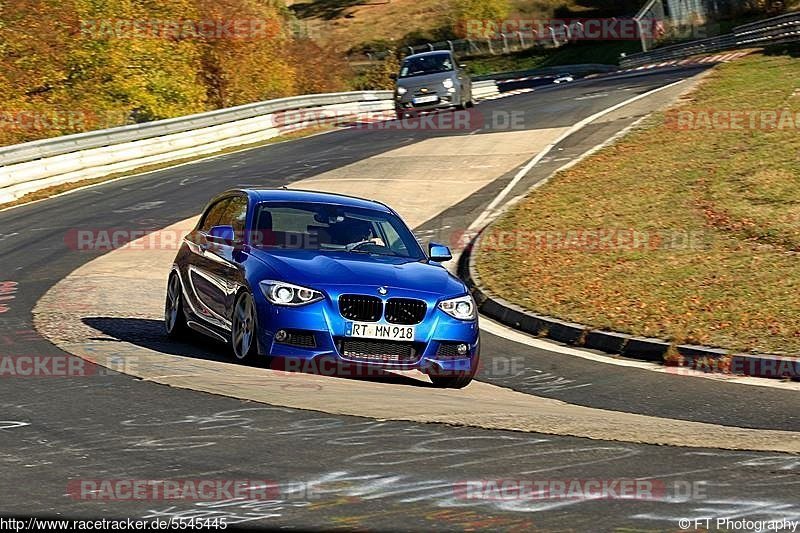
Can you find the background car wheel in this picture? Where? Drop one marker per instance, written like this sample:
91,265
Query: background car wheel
244,329
174,317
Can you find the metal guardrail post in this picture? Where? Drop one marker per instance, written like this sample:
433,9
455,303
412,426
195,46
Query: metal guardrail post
641,34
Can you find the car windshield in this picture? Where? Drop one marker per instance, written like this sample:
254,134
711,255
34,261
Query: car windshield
422,65
322,227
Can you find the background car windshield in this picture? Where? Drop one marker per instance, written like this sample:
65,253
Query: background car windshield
422,65
310,226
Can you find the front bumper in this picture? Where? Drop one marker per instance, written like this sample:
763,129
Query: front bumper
444,100
317,339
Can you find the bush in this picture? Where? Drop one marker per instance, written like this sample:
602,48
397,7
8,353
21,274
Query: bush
378,77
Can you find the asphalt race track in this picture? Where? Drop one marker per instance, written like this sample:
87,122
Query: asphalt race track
369,473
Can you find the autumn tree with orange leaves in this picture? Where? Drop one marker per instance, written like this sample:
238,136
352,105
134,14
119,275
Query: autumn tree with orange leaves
76,65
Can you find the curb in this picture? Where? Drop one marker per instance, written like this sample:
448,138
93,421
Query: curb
683,356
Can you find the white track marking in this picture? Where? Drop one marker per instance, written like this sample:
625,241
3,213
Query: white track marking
479,222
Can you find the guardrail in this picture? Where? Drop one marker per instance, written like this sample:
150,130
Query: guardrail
28,167
32,166
502,43
776,30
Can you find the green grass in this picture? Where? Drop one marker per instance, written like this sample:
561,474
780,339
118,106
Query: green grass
721,209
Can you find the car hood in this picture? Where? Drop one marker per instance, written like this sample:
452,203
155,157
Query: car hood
335,269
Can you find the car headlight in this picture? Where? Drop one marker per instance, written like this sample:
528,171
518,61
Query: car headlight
281,293
462,308
448,83
401,91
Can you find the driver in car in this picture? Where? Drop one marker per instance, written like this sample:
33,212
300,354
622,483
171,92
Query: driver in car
352,232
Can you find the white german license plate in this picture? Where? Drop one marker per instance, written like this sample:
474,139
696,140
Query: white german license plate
426,99
380,331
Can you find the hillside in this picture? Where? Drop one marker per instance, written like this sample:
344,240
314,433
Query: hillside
354,24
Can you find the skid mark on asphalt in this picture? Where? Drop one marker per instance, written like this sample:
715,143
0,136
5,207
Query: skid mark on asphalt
369,470
536,380
144,206
12,424
383,476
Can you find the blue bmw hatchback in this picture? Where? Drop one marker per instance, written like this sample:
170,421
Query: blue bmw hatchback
312,277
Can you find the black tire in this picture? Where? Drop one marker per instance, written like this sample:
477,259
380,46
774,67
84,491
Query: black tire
451,382
244,329
174,315
456,380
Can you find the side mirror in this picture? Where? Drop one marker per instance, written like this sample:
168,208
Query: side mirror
439,253
392,76
222,235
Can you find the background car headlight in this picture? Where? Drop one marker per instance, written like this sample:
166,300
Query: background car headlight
448,83
462,308
281,293
401,91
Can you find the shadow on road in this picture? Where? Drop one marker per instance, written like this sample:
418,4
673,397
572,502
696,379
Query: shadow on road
149,334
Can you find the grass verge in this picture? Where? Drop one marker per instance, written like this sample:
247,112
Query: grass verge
49,192
686,234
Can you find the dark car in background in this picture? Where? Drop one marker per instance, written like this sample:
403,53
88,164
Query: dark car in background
429,81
